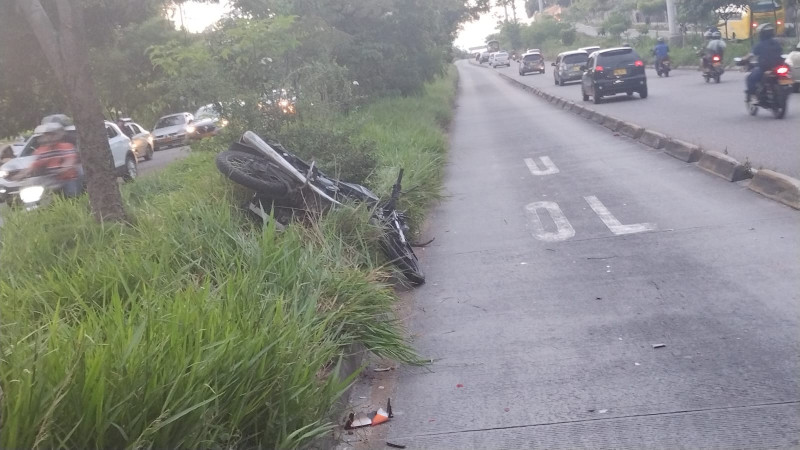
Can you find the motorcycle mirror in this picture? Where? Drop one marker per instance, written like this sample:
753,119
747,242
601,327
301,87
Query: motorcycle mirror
553,64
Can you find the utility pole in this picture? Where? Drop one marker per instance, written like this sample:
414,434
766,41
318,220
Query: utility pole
672,17
541,7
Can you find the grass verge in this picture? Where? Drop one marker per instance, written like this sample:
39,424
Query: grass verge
193,327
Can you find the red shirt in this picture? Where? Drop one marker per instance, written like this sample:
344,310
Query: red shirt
58,156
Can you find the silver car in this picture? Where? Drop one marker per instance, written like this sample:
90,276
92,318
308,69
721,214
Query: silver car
568,66
173,130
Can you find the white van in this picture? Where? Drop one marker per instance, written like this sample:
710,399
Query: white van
500,59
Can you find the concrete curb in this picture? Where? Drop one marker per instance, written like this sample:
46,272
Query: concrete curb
683,150
724,166
631,130
777,186
653,139
771,184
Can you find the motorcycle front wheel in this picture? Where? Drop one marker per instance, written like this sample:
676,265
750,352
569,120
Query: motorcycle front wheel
402,255
254,172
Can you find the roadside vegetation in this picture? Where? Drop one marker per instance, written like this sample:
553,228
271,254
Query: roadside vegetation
193,327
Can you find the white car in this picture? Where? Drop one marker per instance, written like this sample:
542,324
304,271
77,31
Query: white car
500,59
793,61
124,160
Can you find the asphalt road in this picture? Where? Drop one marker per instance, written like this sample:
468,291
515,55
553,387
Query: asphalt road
162,158
563,256
712,115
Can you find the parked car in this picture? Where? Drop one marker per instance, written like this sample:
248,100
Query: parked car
141,139
484,58
793,61
568,66
172,130
491,58
11,180
613,71
531,62
591,49
500,59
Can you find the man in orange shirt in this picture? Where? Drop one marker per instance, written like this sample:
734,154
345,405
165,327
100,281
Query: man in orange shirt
56,157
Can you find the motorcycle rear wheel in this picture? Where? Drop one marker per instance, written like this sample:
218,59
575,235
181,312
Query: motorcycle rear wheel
254,172
779,109
402,255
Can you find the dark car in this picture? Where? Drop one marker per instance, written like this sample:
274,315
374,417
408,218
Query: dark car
613,71
569,66
531,62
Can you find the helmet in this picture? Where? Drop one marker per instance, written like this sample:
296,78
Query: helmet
708,34
716,35
49,127
766,31
661,39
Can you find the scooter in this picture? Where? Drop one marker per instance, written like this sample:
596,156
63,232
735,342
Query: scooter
279,177
712,69
772,92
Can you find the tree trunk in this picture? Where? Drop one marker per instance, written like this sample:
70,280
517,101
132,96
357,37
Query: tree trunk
67,52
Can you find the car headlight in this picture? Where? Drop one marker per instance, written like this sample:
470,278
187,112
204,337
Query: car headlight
31,194
190,129
3,173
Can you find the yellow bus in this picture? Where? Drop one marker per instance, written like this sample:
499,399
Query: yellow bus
741,22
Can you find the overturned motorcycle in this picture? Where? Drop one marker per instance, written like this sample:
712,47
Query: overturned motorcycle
279,177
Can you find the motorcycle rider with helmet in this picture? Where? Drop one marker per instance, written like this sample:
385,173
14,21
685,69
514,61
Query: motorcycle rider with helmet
661,51
768,51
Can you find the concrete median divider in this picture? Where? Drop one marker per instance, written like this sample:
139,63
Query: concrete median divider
724,166
587,113
598,118
777,186
611,123
683,150
631,130
653,139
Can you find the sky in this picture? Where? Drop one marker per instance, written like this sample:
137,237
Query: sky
198,16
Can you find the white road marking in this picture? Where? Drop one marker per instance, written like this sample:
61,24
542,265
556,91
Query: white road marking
550,168
612,223
564,230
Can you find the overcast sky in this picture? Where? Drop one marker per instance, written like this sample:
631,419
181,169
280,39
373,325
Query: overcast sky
198,16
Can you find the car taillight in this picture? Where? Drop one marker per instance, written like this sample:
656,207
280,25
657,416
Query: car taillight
782,71
638,63
598,68
755,24
779,22
715,58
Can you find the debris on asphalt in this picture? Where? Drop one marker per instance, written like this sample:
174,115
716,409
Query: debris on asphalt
362,420
598,298
602,411
636,364
375,418
659,345
459,385
380,417
395,445
380,387
382,369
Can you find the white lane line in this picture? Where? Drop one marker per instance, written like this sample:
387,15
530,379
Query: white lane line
564,230
612,223
550,168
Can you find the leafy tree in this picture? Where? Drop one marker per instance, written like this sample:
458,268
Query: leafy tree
616,24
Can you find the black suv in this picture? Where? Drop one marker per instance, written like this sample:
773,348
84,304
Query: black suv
613,71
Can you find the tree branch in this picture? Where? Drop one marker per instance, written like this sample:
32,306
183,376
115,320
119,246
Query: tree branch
45,33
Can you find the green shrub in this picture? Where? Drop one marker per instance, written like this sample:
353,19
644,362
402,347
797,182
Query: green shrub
568,36
338,151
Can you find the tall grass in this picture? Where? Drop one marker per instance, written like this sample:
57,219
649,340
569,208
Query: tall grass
193,327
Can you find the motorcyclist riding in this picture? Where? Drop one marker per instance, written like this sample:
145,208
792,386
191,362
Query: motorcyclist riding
714,46
768,51
661,51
